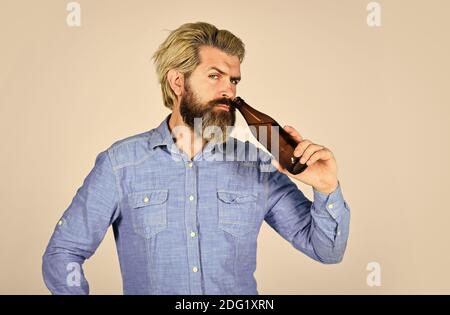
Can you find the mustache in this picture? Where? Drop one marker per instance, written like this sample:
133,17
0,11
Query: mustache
218,101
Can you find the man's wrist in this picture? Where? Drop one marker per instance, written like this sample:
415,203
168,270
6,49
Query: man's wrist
327,189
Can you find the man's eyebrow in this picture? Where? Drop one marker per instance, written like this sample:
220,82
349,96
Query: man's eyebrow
223,72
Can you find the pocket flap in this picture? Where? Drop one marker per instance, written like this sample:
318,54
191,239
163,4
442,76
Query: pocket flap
148,197
235,196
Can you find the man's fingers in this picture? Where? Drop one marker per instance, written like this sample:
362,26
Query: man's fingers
293,132
310,150
323,154
301,147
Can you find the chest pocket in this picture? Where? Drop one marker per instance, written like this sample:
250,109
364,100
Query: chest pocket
237,212
149,212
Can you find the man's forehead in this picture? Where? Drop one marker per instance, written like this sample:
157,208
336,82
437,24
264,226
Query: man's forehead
213,58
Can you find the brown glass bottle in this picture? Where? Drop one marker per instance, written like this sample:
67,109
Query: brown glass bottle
263,129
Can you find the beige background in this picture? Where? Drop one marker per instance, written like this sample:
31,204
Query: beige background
377,97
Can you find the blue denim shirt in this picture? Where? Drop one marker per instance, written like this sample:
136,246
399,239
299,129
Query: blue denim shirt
186,226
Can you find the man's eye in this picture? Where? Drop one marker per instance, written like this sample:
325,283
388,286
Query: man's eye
214,76
235,82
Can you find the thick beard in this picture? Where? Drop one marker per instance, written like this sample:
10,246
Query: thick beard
191,108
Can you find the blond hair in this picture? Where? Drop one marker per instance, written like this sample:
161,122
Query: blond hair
180,51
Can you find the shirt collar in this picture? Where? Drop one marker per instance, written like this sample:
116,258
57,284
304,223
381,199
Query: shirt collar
161,135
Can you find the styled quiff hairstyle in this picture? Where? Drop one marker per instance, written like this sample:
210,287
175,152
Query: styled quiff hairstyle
180,51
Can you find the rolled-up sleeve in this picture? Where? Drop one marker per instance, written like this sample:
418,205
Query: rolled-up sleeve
81,229
319,229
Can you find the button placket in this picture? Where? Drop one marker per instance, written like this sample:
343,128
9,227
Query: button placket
195,281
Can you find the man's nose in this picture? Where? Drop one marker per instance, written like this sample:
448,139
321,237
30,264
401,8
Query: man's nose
228,91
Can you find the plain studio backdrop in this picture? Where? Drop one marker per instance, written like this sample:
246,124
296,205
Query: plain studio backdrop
377,96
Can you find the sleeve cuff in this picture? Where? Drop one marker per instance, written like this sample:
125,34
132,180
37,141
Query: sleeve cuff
332,204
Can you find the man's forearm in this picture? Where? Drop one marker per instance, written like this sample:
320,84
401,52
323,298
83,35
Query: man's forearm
63,273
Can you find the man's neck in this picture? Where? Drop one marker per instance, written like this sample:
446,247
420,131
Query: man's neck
186,140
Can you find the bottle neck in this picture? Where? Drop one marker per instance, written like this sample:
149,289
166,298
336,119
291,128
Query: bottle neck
238,102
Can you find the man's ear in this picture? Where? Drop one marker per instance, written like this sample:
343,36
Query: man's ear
176,81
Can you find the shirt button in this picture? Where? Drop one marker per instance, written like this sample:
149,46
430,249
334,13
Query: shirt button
146,199
190,164
59,222
330,206
195,269
338,232
191,197
193,234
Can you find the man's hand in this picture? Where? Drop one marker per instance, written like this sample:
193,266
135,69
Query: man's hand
321,172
